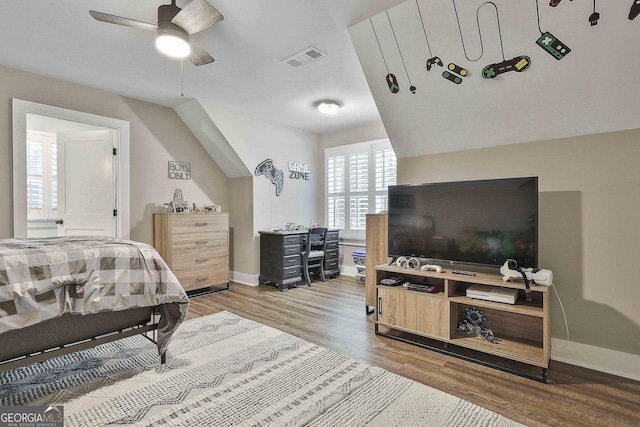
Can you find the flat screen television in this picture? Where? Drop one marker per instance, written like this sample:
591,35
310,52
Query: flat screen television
479,223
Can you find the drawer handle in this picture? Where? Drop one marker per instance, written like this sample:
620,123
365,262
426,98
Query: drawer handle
202,260
201,224
379,305
201,242
202,279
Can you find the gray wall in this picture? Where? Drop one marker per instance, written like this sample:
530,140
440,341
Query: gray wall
157,136
589,224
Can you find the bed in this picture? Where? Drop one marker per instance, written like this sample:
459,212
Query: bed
63,294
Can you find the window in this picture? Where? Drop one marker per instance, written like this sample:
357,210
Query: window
357,177
42,185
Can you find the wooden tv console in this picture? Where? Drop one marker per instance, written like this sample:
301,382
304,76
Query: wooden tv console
523,329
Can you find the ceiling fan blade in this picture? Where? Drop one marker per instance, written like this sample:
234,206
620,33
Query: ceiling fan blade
198,55
119,20
197,16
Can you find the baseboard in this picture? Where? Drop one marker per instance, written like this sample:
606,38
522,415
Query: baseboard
348,270
244,278
597,358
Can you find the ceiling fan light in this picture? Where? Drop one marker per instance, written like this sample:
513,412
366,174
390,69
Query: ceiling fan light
328,106
173,43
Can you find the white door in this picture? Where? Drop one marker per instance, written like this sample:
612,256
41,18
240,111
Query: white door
86,184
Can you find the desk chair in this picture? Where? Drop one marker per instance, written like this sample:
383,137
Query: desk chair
313,254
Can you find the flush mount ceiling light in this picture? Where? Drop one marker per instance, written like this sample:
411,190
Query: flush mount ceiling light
328,106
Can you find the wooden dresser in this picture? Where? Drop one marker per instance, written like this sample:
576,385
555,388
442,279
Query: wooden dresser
196,248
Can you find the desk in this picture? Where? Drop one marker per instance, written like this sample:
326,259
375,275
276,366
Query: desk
280,260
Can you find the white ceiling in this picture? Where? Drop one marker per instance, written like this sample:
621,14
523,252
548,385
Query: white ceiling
60,39
594,89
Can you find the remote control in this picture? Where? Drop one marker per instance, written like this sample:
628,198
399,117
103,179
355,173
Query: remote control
464,273
551,44
519,63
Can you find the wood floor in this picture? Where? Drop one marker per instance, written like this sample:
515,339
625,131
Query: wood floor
332,315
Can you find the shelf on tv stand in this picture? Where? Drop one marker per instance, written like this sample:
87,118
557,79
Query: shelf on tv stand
523,328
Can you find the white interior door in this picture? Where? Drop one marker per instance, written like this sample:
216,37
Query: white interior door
86,183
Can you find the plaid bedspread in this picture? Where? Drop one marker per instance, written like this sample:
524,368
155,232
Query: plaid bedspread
41,279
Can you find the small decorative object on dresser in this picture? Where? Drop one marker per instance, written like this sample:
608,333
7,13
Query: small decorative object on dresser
196,248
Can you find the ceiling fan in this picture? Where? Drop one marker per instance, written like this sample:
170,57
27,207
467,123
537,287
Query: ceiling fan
175,28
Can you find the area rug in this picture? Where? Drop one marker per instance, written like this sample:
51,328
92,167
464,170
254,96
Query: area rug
225,370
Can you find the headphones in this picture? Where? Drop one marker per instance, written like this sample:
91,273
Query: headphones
411,263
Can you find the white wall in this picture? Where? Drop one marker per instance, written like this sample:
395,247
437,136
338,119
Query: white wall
589,225
255,140
157,136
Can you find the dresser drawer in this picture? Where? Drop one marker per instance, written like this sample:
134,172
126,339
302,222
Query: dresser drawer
198,223
292,250
291,261
291,240
290,272
199,259
331,264
332,236
332,245
202,277
196,242
332,254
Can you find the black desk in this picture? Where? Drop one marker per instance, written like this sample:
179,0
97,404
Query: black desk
280,260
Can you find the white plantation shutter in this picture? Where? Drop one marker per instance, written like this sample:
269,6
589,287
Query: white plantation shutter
357,177
42,165
386,169
336,194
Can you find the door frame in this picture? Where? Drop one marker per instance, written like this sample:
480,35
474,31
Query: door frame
20,108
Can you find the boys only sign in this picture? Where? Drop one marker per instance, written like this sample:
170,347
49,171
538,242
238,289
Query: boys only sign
179,170
299,170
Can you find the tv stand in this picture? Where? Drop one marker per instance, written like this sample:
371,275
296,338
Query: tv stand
431,320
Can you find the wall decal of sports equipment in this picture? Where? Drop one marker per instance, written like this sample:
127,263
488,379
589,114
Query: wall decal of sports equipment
433,60
268,169
412,88
549,42
391,80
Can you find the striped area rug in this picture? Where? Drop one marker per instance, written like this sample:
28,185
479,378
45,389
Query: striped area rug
225,370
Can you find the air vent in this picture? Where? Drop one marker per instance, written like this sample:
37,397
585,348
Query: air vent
308,55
